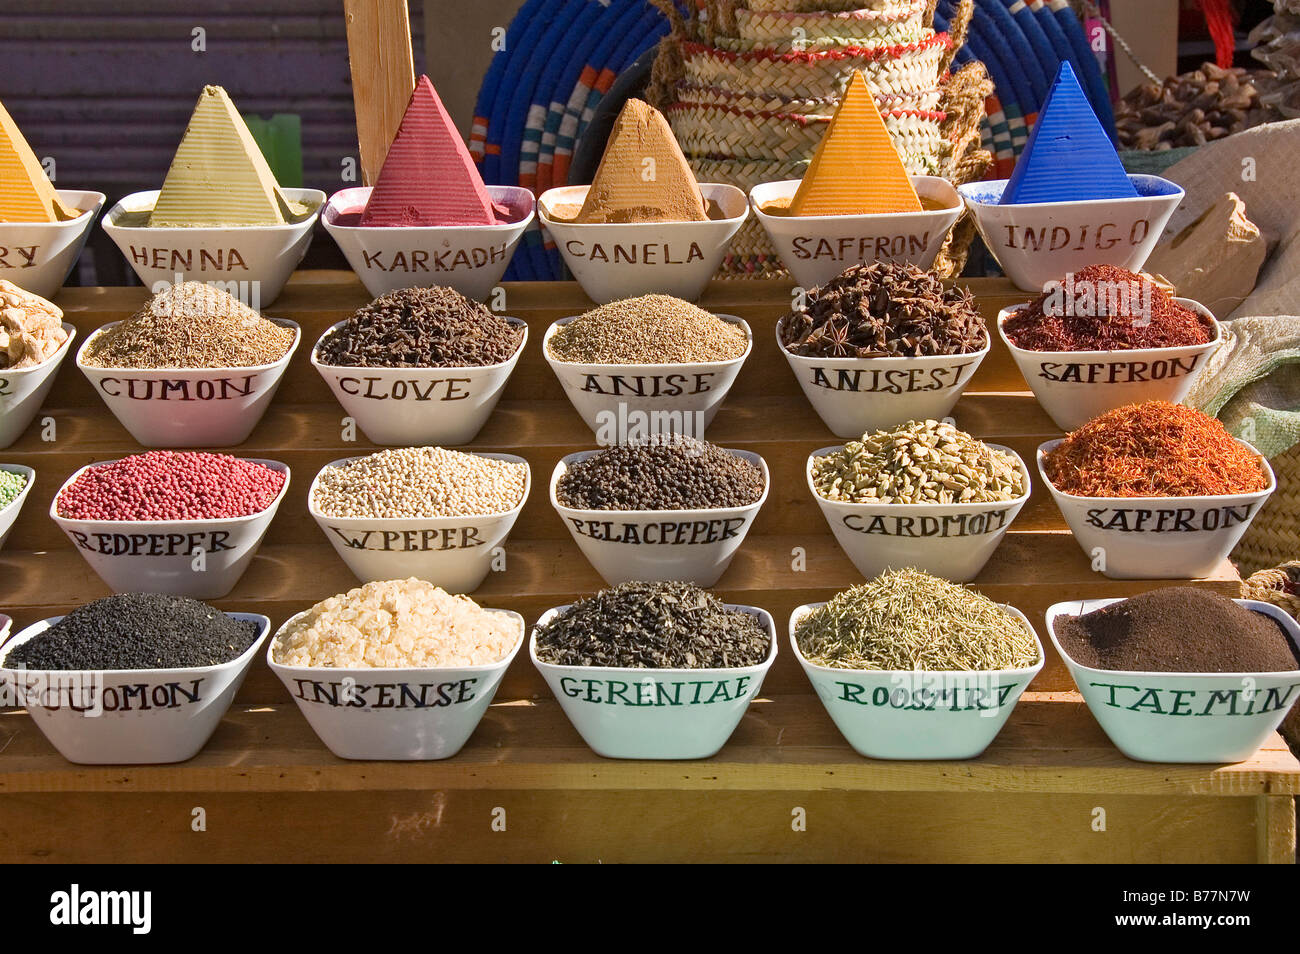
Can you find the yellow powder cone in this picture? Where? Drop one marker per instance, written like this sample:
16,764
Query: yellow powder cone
26,193
856,169
643,176
218,176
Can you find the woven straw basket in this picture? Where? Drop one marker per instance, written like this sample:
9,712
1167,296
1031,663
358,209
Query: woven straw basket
1273,537
1266,586
832,6
868,27
925,100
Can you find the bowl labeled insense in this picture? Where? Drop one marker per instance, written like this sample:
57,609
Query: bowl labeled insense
622,403
1075,386
1184,716
252,262
626,259
655,713
394,713
854,396
468,258
188,407
39,256
816,248
415,407
695,546
202,559
1158,538
9,512
455,553
1038,242
894,714
24,390
127,716
951,541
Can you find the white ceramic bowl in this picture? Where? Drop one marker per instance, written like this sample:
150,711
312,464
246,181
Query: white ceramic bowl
1075,386
157,556
952,541
378,713
625,402
1152,538
24,390
894,714
188,407
452,552
5,625
252,262
9,513
419,406
127,716
1144,713
626,259
816,248
854,396
1038,242
39,256
655,713
691,545
468,258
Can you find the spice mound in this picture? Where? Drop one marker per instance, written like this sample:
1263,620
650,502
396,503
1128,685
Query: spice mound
670,473
171,485
31,328
908,620
397,624
137,631
1155,449
414,482
1105,308
884,311
1176,629
920,462
421,328
190,325
653,626
651,329
11,485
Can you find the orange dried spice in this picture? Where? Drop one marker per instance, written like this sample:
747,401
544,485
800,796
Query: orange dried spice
1155,449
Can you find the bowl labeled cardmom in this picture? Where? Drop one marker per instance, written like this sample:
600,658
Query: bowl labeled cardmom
419,406
127,716
816,248
1075,386
1184,716
398,713
625,259
188,407
1147,538
894,714
628,402
39,256
624,713
695,546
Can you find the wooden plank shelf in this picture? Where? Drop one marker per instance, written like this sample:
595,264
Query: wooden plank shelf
1031,796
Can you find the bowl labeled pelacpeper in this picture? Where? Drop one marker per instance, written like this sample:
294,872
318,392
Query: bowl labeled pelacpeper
1075,386
127,716
39,256
455,553
624,713
816,248
1148,538
952,540
202,559
1184,716
625,259
626,402
917,714
188,407
394,713
418,406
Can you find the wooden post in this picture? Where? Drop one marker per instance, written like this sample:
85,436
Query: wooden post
383,75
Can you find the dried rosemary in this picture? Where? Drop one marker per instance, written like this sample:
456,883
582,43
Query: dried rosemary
908,620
